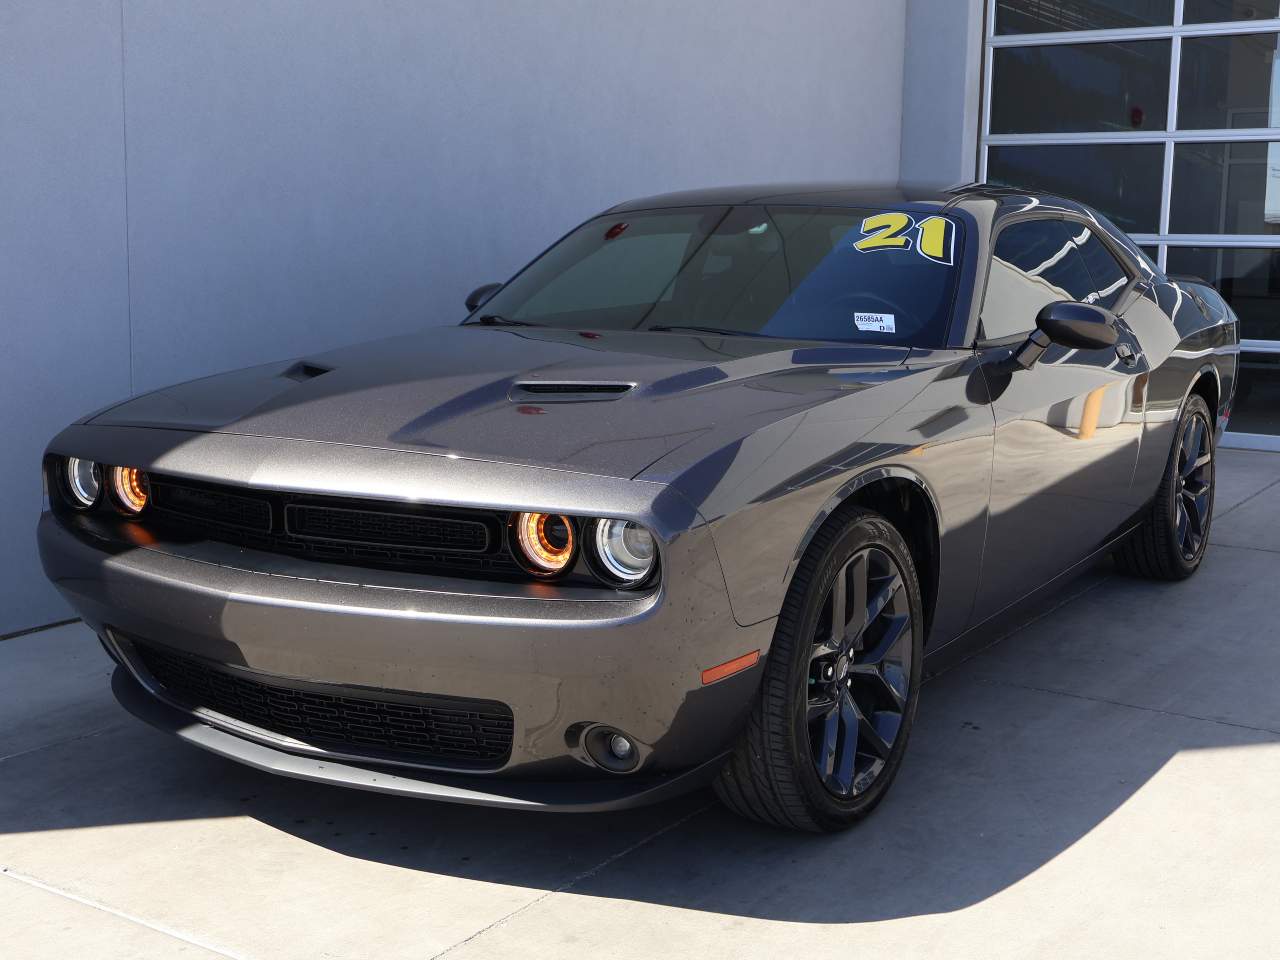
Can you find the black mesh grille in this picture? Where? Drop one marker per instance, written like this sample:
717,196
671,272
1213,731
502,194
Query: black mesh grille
335,529
376,724
211,505
367,526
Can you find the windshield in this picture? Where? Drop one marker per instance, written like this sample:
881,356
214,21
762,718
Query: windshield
805,273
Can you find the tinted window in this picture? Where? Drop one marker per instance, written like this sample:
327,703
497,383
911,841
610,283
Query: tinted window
1051,16
1109,278
807,273
1034,263
1081,86
614,275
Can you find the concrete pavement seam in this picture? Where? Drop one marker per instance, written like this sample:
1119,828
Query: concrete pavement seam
59,743
40,629
1239,546
570,884
123,915
1251,497
1131,706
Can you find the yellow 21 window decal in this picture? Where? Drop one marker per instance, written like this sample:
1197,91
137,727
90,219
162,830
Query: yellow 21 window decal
937,239
934,238
886,231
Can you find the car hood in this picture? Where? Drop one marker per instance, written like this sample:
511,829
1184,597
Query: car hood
459,391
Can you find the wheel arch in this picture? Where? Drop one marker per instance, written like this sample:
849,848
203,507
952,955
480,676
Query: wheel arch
905,499
1207,384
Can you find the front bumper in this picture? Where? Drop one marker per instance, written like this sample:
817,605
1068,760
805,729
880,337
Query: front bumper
633,663
548,796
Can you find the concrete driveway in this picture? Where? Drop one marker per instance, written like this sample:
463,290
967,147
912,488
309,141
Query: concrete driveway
1104,782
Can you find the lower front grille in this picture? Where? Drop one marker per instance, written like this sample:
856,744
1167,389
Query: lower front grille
356,721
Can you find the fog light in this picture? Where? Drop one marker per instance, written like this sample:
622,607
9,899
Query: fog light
84,482
611,749
130,486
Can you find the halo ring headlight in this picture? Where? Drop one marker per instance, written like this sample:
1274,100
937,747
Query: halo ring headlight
625,549
84,482
131,489
545,540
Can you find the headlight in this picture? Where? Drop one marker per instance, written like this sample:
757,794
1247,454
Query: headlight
545,541
84,482
130,486
625,549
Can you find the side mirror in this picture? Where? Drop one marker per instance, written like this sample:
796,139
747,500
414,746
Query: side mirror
480,295
1081,326
1068,323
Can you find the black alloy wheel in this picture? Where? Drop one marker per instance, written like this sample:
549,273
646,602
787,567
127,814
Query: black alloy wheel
1194,485
829,728
859,672
1173,537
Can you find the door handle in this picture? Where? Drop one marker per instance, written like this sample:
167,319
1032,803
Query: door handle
1126,354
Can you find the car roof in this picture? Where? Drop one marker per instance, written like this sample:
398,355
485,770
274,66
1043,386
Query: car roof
992,199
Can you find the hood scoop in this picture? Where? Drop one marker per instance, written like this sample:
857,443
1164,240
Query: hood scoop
568,391
302,371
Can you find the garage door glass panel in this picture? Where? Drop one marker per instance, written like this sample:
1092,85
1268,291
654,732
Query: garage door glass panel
1218,11
1122,180
1228,83
1249,279
1081,87
1052,16
1257,403
1225,188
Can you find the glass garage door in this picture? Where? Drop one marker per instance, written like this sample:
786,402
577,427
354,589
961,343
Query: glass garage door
1165,115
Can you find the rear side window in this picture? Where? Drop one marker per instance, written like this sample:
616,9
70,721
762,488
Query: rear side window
1109,278
1034,263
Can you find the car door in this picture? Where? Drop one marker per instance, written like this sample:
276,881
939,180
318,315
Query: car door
1068,429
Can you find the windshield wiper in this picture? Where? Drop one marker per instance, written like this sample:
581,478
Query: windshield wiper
493,320
719,331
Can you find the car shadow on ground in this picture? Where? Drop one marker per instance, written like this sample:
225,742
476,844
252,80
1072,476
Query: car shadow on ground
1002,776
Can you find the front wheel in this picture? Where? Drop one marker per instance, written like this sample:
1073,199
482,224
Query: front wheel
1175,533
827,734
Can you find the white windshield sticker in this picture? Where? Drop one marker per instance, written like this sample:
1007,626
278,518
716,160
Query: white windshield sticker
874,322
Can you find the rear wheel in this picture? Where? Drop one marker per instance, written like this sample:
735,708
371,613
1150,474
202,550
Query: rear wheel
828,732
1172,539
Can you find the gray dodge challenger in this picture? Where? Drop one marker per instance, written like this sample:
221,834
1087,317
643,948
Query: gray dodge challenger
700,495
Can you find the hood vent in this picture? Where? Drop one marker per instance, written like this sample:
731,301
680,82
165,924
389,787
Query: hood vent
568,391
303,371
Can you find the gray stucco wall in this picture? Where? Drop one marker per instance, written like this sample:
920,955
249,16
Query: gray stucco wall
942,90
192,187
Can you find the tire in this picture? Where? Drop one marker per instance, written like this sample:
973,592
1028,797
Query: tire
794,758
1160,548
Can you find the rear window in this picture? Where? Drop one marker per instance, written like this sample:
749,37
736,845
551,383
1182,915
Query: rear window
859,275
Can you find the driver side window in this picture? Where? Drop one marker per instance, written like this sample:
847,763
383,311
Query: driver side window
1035,263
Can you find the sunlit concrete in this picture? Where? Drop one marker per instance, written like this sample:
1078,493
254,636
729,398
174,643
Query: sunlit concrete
1102,782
